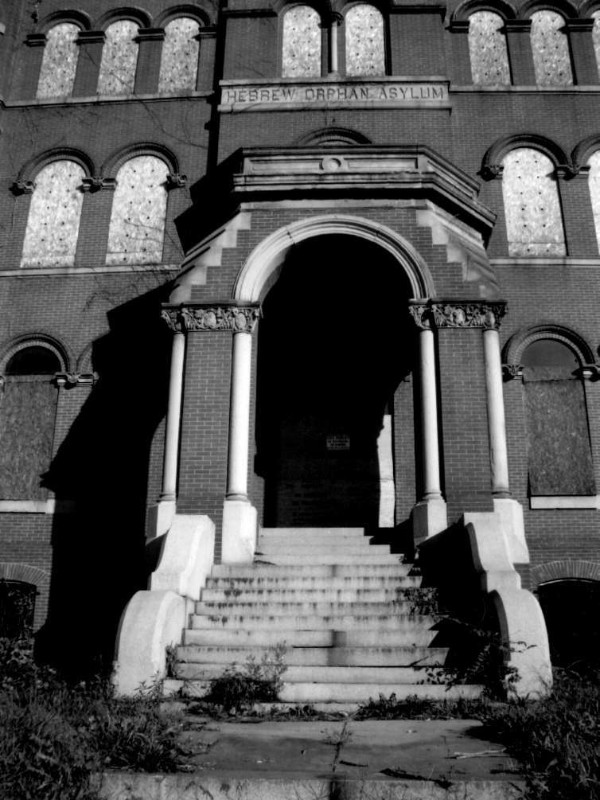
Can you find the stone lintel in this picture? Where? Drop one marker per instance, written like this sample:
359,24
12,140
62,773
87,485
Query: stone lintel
483,314
203,317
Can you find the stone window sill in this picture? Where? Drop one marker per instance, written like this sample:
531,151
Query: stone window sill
51,506
565,502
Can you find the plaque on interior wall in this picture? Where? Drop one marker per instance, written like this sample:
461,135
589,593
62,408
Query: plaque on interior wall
338,441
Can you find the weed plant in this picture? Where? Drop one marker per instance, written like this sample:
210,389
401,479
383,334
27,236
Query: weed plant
557,738
56,736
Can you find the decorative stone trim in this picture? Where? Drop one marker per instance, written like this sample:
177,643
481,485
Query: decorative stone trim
36,40
71,379
512,371
91,37
565,569
96,183
459,314
176,181
589,372
222,317
20,187
564,502
150,35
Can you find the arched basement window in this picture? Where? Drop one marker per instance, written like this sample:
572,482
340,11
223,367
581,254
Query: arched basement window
179,60
534,223
17,606
594,184
365,44
596,36
301,56
27,418
487,49
558,441
54,215
550,47
119,59
137,222
57,73
572,613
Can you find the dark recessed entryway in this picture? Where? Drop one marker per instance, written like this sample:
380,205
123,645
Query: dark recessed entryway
335,340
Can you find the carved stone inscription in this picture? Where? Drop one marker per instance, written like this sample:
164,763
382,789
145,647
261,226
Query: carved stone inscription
245,97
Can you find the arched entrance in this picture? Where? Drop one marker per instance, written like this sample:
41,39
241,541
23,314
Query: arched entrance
335,341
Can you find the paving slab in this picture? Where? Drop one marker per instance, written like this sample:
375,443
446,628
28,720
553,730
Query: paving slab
341,760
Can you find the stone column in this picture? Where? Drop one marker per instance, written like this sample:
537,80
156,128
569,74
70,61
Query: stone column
169,481
336,46
429,515
495,403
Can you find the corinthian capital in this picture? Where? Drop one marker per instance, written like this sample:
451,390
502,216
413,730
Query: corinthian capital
468,314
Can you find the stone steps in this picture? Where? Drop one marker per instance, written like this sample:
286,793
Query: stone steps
346,611
313,622
317,656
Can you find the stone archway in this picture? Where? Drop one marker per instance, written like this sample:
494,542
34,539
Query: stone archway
335,341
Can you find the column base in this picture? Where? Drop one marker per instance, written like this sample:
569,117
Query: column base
239,532
510,512
160,518
428,518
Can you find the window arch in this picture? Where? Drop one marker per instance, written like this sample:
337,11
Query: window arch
487,49
594,184
59,63
54,214
550,47
119,59
534,224
27,419
179,59
301,52
558,441
365,41
596,36
137,222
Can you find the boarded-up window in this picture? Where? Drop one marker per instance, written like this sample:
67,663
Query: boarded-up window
594,183
531,205
365,45
54,214
560,455
596,36
550,46
27,417
57,73
137,222
487,48
301,56
119,59
179,60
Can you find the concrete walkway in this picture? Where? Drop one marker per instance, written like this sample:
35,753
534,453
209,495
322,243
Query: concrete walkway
341,760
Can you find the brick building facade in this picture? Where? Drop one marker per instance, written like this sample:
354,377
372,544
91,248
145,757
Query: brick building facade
349,216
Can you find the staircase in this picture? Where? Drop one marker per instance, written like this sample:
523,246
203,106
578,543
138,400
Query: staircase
347,611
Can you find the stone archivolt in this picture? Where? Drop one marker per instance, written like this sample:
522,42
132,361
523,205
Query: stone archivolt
239,319
458,314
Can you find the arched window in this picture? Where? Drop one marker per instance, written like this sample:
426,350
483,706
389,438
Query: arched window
558,441
596,36
550,46
594,184
301,56
137,222
54,214
179,60
119,59
27,417
534,223
365,43
59,64
17,607
487,49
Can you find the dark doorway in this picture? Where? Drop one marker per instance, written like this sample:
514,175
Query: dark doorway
335,341
572,613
